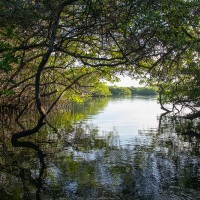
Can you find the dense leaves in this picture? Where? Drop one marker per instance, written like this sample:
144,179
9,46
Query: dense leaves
119,90
55,49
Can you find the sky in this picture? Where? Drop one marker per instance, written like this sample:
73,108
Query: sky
127,82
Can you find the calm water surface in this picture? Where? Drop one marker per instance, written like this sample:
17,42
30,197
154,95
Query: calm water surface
127,116
116,148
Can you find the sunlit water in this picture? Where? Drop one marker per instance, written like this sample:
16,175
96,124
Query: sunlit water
127,116
117,148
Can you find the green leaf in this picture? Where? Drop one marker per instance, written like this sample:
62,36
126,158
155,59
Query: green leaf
7,92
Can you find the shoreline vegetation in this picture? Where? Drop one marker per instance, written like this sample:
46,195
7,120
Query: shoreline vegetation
55,50
118,90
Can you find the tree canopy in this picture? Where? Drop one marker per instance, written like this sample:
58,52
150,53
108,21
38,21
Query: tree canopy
177,73
53,48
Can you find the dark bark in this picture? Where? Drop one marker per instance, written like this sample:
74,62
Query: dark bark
46,58
192,115
40,68
28,132
160,101
49,94
191,133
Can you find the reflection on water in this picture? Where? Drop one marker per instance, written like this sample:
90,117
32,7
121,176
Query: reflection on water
97,159
127,116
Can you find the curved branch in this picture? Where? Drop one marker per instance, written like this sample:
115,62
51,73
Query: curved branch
192,115
161,104
45,60
28,132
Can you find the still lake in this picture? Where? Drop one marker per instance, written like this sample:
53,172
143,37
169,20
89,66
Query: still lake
104,148
127,116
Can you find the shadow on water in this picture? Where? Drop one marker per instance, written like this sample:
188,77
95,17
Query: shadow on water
37,181
77,161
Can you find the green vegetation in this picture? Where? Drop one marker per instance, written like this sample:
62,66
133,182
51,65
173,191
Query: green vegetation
115,90
143,91
120,90
104,90
65,48
101,89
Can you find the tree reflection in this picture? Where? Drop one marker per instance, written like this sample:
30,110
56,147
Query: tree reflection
21,173
76,161
42,171
91,106
32,178
174,158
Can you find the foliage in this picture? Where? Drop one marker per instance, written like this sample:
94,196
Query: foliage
176,72
143,91
115,90
120,90
101,89
55,49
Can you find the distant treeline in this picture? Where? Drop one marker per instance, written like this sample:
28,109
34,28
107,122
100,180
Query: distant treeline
104,90
132,90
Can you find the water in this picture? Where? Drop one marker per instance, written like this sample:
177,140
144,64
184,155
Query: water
127,116
116,148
